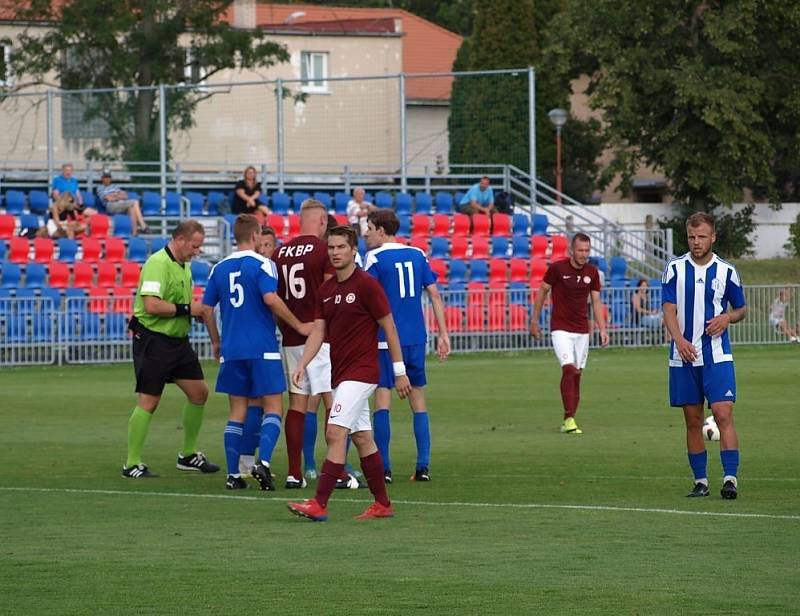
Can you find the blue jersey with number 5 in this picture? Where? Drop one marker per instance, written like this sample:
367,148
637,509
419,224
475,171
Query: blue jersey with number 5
404,273
238,284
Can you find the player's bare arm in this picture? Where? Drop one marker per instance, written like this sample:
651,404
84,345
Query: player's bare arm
599,317
685,348
281,310
211,326
717,325
401,382
312,346
443,343
537,309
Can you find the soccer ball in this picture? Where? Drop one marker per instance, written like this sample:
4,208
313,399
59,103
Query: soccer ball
710,429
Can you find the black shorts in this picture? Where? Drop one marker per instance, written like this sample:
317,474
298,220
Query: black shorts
160,359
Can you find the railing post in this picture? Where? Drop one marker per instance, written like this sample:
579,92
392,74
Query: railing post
347,187
50,161
162,127
280,135
178,179
532,133
403,136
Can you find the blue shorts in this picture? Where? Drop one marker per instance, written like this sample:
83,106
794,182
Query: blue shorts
413,358
692,384
252,378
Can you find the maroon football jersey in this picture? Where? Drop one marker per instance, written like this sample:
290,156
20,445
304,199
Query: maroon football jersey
571,289
351,310
302,264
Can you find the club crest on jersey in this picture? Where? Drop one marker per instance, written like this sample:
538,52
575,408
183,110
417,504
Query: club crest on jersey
351,297
586,279
716,284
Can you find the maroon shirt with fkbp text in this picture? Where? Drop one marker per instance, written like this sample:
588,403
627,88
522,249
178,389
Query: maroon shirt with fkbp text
351,310
571,289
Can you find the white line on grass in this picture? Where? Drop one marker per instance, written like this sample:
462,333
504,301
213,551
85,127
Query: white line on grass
594,477
278,499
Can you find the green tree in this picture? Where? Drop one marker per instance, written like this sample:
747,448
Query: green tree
135,44
705,91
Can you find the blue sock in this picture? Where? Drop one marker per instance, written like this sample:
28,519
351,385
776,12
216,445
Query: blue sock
309,441
383,434
270,431
730,461
232,439
252,429
698,463
422,434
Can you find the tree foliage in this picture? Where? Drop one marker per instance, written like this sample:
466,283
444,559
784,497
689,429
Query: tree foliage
134,44
703,90
734,231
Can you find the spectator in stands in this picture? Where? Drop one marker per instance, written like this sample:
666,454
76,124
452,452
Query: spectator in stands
479,199
116,201
67,183
777,315
358,210
246,194
66,218
642,314
267,242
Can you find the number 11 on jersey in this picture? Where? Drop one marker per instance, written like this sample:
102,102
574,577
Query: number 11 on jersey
401,278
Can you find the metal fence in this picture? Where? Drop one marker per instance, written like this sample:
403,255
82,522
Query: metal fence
42,331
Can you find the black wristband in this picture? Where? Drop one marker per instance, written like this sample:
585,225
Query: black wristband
182,310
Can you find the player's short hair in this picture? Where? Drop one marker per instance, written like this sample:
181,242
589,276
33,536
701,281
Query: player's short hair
385,219
187,229
346,232
580,237
332,222
267,230
312,204
699,218
244,227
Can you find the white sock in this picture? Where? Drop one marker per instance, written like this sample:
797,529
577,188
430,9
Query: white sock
704,481
730,478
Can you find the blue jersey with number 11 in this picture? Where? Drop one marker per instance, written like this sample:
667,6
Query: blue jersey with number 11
238,284
404,273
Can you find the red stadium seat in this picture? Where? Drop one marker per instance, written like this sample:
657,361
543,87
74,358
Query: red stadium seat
106,274
439,267
519,270
90,249
539,250
340,218
423,243
460,224
7,224
99,299
538,269
115,249
458,247
99,224
130,274
559,246
420,225
497,317
276,221
501,225
43,249
82,275
517,318
294,226
498,292
441,225
475,318
58,275
197,294
18,250
480,247
480,225
123,299
476,294
454,317
497,270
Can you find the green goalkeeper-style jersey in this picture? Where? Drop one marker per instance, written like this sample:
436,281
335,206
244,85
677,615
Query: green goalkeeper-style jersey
162,276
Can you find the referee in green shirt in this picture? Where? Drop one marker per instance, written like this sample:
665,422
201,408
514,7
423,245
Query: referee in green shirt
162,318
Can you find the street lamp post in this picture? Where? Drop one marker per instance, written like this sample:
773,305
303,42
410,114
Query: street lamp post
558,117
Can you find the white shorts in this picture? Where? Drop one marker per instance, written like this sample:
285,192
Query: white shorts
351,405
318,372
570,348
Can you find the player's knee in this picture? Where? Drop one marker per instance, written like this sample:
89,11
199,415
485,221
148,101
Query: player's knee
199,395
334,434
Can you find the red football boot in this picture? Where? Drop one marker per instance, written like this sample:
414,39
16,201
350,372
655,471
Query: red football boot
310,509
376,510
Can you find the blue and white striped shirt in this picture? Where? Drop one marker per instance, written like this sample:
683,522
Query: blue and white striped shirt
701,292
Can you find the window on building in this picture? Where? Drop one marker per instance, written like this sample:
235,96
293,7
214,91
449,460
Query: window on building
82,112
193,72
314,71
5,66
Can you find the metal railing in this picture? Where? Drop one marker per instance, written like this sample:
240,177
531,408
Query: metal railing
43,331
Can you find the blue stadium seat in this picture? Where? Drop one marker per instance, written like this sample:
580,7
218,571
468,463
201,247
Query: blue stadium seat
137,249
600,264
619,267
157,243
90,326
458,271
457,197
26,300
173,204
16,328
3,250
518,293
444,203
123,227
29,221
405,226
324,198
42,327
440,248
263,199
340,201
362,247
54,295
499,247
67,249
35,275
280,203
6,306
384,199
520,224
38,201
200,272
520,247
540,224
196,203
116,326
456,293
402,203
298,197
423,203
15,202
151,203
74,300
479,271
214,200
89,200
231,219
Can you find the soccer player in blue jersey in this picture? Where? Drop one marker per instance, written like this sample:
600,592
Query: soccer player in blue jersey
245,285
701,296
404,273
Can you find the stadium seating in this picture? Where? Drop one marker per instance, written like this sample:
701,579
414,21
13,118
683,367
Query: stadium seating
151,203
298,197
439,267
517,318
460,224
11,275
423,243
89,200
18,249
540,224
15,202
123,227
324,198
480,225
280,203
43,249
480,247
444,203
520,224
518,270
99,300
7,225
293,228
422,203
499,247
106,274
73,299
341,219
521,247
123,299
29,224
539,247
3,251
501,225
402,203
420,225
458,247
213,200
559,247
440,248
67,249
619,268
600,264
200,272
441,225
458,271
479,271
196,203
137,249
276,221
130,271
454,318
16,328
173,204
405,225
54,295
115,249
498,270
99,225
35,275
538,269
82,275
90,249
58,275
38,202
457,292
518,292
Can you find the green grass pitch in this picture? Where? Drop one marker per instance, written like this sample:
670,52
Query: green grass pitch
519,519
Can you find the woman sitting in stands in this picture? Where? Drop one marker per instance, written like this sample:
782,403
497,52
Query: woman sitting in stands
66,218
246,194
641,312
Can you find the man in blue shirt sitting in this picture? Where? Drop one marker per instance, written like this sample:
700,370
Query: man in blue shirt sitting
479,199
67,183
